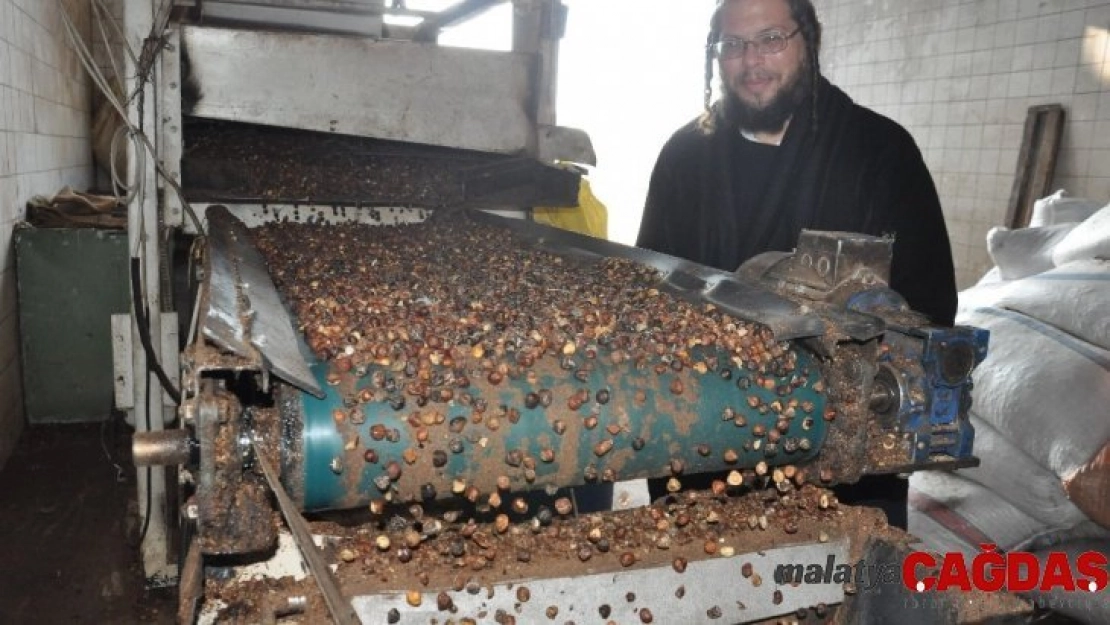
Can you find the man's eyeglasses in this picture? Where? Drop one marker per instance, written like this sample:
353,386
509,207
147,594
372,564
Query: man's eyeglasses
771,42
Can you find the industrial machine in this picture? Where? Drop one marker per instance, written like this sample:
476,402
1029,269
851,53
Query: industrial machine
455,365
454,384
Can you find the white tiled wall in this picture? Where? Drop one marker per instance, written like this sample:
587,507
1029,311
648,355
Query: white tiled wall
44,127
961,75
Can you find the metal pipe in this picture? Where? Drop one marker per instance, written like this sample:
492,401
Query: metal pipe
161,448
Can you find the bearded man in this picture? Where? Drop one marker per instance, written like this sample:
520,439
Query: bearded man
782,150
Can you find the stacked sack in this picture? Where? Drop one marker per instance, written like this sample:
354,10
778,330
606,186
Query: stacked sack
1041,406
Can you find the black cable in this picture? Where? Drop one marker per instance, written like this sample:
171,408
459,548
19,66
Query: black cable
104,446
143,322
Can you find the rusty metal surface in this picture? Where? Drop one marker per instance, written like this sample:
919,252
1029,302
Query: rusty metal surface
825,260
234,513
190,586
244,312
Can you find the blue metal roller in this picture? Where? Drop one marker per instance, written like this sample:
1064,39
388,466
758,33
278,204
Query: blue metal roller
644,424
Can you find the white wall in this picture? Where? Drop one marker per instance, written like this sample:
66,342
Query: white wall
961,75
44,128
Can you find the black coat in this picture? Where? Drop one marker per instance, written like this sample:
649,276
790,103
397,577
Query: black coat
721,199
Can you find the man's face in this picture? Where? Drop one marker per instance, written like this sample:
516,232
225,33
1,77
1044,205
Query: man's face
764,89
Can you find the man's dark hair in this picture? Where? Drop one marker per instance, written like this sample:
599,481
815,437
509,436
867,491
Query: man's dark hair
809,29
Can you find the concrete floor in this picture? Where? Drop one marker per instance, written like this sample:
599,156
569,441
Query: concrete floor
66,534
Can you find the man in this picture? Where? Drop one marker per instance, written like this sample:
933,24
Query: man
782,150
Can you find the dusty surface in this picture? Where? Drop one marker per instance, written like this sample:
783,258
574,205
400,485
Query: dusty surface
695,525
67,526
241,160
229,161
462,554
690,526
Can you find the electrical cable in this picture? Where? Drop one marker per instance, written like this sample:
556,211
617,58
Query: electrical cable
100,19
152,46
88,62
99,16
140,147
142,320
132,190
107,454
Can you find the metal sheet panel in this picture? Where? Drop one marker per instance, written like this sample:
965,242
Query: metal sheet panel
123,373
245,312
711,583
71,282
254,215
169,129
454,97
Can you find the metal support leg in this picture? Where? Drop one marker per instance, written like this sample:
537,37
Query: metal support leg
143,243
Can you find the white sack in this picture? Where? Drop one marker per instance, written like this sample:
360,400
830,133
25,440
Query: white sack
1025,252
952,515
1090,239
949,512
1058,209
1017,478
1074,297
1046,391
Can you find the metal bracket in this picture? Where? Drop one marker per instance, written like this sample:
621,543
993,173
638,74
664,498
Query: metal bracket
123,374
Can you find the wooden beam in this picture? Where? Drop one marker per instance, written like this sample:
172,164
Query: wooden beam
1044,129
429,29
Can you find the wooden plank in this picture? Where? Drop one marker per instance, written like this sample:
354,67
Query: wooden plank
1044,129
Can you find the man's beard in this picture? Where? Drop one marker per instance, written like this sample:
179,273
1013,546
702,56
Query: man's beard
772,116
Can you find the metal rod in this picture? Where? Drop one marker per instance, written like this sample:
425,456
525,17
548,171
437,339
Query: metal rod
190,584
340,609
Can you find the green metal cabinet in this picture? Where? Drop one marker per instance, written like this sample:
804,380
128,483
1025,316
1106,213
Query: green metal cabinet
70,281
